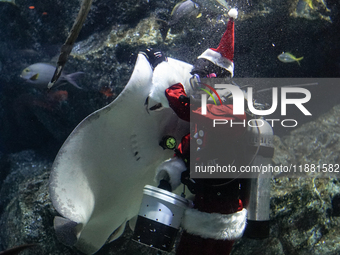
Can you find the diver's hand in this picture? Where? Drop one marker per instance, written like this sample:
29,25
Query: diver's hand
154,57
189,100
184,99
170,171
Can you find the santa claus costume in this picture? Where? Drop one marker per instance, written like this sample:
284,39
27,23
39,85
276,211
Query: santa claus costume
218,216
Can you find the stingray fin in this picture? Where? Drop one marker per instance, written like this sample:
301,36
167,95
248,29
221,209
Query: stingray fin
117,233
97,178
132,222
67,231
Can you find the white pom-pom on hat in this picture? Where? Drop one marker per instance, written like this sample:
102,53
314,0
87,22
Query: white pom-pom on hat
233,13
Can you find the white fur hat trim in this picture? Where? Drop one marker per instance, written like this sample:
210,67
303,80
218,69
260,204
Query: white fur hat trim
216,58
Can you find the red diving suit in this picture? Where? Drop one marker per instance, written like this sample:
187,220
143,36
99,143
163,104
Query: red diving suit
218,216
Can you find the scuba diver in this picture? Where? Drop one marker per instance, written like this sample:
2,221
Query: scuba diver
218,217
219,214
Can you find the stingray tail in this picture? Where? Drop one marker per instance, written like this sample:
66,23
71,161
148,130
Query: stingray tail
71,78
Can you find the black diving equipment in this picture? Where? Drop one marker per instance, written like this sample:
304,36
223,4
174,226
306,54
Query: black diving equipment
159,218
261,149
154,57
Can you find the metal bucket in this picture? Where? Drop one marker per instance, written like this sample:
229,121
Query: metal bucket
159,218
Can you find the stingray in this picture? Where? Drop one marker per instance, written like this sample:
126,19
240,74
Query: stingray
97,178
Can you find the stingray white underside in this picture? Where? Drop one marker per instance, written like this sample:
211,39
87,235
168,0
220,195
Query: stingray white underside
97,178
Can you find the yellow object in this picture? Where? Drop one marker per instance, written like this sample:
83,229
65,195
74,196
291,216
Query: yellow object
170,142
287,57
310,3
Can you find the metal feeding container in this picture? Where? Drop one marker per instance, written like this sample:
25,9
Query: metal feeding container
159,218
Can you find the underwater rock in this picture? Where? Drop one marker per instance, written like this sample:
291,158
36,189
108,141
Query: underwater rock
301,219
311,10
316,142
22,199
26,211
18,166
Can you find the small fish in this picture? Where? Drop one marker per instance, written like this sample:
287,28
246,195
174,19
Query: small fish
223,3
8,1
287,57
40,75
182,15
183,11
17,249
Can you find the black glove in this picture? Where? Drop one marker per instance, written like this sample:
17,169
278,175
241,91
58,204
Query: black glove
154,57
189,100
164,184
184,99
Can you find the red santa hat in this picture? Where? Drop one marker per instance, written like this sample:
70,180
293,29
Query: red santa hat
224,54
